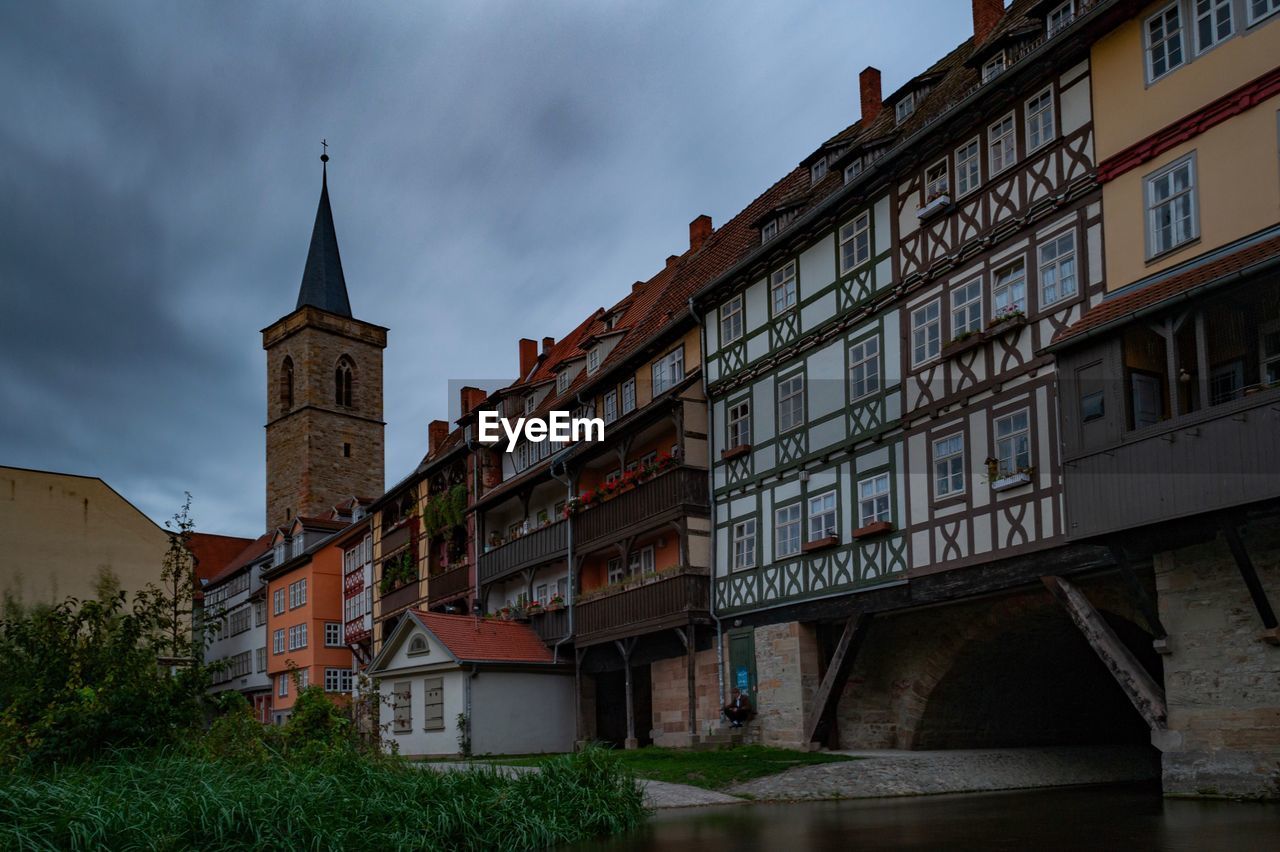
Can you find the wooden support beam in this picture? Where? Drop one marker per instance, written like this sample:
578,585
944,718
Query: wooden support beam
833,681
625,647
1138,592
1248,573
1144,693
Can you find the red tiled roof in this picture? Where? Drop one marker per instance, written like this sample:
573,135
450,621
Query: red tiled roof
213,552
1126,303
486,640
248,554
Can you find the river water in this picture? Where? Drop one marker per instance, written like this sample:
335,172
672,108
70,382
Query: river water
1120,817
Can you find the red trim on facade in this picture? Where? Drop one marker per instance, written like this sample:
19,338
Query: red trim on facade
1191,125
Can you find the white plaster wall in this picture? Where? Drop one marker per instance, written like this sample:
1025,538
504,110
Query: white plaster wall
522,712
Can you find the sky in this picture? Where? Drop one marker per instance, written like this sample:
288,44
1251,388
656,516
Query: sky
498,170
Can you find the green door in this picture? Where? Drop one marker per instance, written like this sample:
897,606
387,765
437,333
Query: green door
742,663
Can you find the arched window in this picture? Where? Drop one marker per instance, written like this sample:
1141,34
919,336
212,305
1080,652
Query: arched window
343,379
286,384
418,645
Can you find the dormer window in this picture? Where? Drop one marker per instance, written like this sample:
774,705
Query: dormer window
530,401
818,170
1060,17
769,231
903,109
562,383
852,170
993,67
593,360
277,557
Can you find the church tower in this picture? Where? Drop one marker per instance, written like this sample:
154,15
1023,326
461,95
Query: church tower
324,390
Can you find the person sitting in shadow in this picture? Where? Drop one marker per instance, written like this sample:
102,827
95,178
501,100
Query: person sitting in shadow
738,710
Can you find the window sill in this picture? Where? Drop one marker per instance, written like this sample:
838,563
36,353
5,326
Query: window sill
878,528
959,347
1005,483
735,452
1002,326
819,544
934,207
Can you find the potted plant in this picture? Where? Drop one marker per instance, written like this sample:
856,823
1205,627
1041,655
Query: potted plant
533,607
507,613
556,602
962,342
1007,317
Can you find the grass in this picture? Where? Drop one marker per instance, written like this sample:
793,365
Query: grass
177,801
713,770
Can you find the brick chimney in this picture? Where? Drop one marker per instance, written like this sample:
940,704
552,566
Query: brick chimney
869,88
472,398
986,14
699,230
528,356
437,431
547,344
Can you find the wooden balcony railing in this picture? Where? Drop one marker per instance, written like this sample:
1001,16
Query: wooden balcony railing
541,545
682,488
642,605
550,625
401,597
449,584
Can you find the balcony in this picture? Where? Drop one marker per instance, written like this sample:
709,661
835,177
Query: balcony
542,545
642,605
666,496
401,597
451,583
550,625
358,629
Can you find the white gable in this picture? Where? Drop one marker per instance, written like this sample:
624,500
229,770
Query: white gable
412,647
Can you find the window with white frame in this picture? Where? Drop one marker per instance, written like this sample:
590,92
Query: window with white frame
818,170
1214,23
531,400
739,423
298,594
864,368
731,320
782,284
873,500
277,601
261,660
1060,17
744,544
936,181
629,396
1002,145
563,378
1040,123
282,685
277,641
852,170
668,370
1013,443
337,680
855,243
240,619
593,360
968,167
642,561
611,406
926,332
1058,268
791,402
616,570
1259,9
1009,289
304,678
948,466
1171,206
993,67
1163,33
298,636
769,230
822,516
903,109
786,531
296,545
966,309
259,613
332,634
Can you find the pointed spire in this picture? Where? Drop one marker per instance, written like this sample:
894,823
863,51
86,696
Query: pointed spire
323,285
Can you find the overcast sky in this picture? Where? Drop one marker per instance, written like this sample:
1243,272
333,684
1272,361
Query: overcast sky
499,170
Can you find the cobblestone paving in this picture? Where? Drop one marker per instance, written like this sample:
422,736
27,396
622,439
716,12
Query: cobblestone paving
915,773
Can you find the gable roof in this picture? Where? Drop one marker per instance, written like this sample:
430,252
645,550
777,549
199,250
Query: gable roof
471,640
249,554
323,284
212,552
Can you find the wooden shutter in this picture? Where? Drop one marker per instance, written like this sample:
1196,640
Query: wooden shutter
403,706
433,719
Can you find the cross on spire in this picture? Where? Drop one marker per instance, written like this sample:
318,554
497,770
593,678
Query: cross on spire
324,155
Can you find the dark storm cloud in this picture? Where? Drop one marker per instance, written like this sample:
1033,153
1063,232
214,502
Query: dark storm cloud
499,170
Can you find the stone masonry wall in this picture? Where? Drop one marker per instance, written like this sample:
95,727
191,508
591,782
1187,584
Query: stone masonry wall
671,697
1222,681
787,678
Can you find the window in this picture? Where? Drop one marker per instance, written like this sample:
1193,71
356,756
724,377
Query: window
433,704
342,382
1040,126
1164,42
1171,207
304,678
261,661
1226,382
616,572
298,636
286,384
402,702
332,634
993,67
966,309
948,466
791,402
611,406
1009,289
739,423
864,368
593,360
277,601
668,370
1148,399
744,544
903,109
852,170
1269,349
1213,23
1259,9
642,562
1058,269
346,451
297,594
277,641
337,680
873,500
1002,147
818,170
855,243
786,531
769,230
822,516
926,333
968,169
731,320
1060,17
240,619
297,545
282,685
1013,443
531,400
628,396
936,181
562,384
783,286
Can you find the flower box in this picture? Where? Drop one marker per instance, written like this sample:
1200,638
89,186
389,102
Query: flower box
555,605
877,528
961,345
735,452
1008,322
1012,480
820,544
934,206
